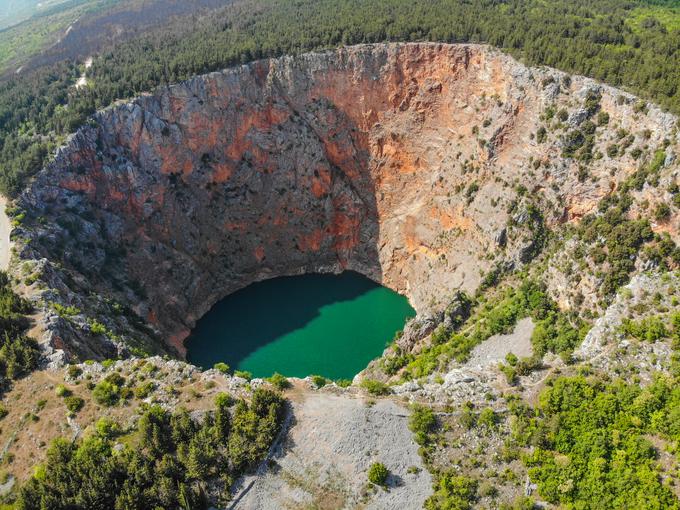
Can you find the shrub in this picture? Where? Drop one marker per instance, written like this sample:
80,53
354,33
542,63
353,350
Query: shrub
223,400
662,211
650,329
144,390
488,418
106,393
73,371
375,387
541,135
573,141
602,118
62,391
222,367
453,491
115,378
392,364
378,473
279,381
422,423
107,428
97,328
319,381
439,335
343,383
510,373
65,311
244,374
74,403
149,368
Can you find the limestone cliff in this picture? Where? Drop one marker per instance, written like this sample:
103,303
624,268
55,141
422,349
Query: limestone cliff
417,165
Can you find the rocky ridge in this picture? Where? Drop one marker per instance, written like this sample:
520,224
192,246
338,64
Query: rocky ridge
422,166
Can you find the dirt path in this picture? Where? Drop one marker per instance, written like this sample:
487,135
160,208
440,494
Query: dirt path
82,81
324,460
5,227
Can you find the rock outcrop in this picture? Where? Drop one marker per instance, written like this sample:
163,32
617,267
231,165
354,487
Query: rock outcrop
417,165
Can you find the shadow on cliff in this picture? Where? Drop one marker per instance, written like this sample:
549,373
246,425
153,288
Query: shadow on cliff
209,196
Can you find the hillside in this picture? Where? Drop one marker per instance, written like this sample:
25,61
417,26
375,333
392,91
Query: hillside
530,216
511,168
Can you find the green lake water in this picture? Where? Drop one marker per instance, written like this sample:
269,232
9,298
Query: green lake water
331,325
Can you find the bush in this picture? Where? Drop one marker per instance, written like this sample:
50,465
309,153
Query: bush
319,381
279,381
649,329
602,118
467,417
375,387
510,373
223,400
662,211
488,418
106,393
453,491
541,135
422,423
144,390
107,428
97,328
244,374
222,367
73,371
74,403
392,364
62,391
378,473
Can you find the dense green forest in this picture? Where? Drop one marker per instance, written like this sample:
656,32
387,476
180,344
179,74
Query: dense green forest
167,462
634,44
19,354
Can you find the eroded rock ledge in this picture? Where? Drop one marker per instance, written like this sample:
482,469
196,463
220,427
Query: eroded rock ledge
410,163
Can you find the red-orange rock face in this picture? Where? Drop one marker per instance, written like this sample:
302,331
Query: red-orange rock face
362,158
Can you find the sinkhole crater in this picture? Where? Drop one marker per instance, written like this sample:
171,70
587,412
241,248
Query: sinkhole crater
399,162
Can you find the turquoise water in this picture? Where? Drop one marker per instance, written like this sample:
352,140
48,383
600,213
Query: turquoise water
331,325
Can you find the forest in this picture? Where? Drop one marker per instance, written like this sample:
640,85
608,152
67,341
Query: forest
633,44
168,461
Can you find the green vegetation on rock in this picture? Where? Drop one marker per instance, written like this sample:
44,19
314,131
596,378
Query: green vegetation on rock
555,331
378,473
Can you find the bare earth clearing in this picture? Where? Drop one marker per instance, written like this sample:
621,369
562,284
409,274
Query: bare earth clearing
332,441
495,349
